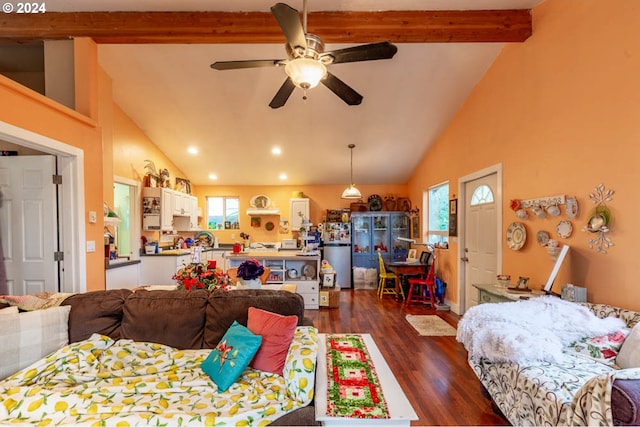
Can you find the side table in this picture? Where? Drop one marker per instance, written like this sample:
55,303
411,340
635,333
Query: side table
492,293
401,412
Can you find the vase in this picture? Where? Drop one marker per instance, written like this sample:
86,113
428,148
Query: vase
249,284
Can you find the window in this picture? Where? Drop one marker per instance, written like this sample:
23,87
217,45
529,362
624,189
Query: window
438,214
223,212
482,195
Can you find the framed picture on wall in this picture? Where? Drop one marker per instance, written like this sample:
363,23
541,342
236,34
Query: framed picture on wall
453,217
415,227
151,180
183,185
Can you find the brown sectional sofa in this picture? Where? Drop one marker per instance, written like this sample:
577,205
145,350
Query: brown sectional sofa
181,319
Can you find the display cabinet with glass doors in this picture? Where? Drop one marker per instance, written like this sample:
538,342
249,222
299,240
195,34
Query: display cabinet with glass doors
378,231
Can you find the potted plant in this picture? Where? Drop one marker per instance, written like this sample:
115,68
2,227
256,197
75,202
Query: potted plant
249,272
199,276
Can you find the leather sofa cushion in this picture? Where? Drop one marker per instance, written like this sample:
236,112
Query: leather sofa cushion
173,318
226,306
625,401
96,312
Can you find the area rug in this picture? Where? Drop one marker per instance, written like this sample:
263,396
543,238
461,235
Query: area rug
430,325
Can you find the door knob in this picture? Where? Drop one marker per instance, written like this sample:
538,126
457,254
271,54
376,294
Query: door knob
464,259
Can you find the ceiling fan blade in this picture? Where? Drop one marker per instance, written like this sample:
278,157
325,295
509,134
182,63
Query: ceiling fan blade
343,90
289,20
283,94
234,65
365,52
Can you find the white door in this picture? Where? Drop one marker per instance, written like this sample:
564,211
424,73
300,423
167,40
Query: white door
28,224
481,236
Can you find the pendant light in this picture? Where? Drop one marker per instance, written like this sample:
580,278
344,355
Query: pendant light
351,192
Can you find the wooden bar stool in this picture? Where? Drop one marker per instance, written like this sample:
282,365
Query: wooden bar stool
422,290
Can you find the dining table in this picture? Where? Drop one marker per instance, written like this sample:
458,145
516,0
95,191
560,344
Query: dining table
406,268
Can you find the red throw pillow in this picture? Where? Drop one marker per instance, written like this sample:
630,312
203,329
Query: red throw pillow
277,333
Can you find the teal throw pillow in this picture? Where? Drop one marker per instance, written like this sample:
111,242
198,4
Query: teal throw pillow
231,356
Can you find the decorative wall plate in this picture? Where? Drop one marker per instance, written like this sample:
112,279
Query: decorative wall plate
543,238
205,237
269,226
309,271
564,229
516,236
260,202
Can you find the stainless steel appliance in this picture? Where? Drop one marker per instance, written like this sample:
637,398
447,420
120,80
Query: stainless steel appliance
336,241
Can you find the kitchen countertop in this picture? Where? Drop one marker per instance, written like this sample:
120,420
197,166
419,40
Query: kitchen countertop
110,264
272,255
178,252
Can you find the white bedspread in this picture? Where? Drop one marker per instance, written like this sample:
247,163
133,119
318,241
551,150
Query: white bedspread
535,329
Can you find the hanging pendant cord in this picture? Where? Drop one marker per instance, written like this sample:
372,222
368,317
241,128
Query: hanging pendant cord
351,147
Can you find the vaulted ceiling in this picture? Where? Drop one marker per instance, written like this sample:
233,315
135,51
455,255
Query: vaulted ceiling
158,54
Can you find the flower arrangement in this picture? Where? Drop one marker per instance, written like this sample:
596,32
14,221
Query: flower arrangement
199,276
250,269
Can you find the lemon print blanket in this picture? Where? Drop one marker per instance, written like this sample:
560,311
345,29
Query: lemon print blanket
100,381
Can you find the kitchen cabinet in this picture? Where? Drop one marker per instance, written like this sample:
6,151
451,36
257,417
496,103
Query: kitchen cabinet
157,209
378,231
158,269
182,204
165,209
299,210
190,222
302,271
122,277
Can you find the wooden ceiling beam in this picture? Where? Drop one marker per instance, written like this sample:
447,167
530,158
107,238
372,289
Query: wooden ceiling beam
259,27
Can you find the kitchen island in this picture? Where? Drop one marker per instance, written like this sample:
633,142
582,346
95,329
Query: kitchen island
287,267
157,269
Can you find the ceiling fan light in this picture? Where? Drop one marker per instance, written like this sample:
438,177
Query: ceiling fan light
305,73
351,192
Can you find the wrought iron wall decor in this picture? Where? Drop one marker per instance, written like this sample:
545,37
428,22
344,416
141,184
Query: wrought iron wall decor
600,219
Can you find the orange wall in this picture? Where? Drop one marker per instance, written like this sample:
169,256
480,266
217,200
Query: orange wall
321,198
560,112
131,148
29,110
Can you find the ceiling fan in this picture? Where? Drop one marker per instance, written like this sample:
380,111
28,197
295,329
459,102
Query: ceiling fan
307,62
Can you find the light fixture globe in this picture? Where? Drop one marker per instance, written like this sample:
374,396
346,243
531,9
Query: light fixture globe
351,192
305,73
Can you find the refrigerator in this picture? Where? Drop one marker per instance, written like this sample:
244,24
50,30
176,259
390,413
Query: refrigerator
336,249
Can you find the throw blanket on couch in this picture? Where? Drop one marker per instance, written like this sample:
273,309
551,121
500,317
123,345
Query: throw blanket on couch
535,329
100,381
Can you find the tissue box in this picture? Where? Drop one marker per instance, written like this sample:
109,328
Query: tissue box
574,293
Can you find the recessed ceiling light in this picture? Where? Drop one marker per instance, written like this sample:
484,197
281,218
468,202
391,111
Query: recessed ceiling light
213,176
283,176
192,150
276,151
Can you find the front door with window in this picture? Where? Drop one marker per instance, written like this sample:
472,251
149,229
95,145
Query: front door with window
481,241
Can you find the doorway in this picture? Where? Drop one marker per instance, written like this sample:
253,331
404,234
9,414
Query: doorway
71,222
480,248
29,224
126,203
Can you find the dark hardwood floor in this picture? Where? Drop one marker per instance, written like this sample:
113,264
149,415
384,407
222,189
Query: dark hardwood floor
432,371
